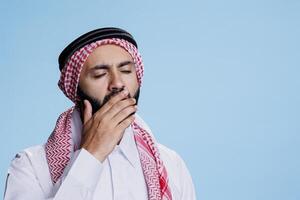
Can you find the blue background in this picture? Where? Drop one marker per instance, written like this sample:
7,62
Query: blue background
221,84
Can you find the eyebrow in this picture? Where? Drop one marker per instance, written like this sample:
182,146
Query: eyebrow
128,62
106,66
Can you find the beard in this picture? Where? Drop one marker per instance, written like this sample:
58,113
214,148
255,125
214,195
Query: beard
97,104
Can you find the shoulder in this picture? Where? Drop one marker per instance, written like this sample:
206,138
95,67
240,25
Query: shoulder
179,176
167,152
171,158
173,162
33,152
28,159
29,168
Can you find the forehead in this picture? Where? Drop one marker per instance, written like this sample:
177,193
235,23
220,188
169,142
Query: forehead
108,54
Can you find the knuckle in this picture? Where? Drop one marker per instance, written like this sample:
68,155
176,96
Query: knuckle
119,105
124,123
127,111
110,103
103,121
114,109
96,119
128,120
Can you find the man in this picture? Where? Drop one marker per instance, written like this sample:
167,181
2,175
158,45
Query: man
100,148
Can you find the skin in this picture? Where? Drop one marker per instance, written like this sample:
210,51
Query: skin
108,67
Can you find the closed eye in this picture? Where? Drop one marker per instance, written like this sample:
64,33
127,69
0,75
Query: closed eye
100,75
126,71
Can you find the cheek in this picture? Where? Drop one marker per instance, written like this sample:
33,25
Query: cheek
95,88
132,84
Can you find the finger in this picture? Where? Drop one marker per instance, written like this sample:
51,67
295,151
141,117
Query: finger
118,107
123,114
125,123
115,99
87,111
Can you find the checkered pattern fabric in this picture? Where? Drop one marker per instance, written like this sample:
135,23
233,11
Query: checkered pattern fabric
69,78
154,171
58,147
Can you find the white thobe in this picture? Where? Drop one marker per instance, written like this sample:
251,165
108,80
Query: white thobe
118,177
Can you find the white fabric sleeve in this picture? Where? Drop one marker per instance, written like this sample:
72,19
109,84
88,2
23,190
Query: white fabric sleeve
187,186
78,183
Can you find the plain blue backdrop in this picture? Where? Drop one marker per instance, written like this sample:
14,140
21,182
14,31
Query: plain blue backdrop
221,84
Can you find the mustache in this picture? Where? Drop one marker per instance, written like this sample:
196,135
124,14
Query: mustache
97,104
112,94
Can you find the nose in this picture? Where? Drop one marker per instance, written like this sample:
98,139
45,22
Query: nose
116,82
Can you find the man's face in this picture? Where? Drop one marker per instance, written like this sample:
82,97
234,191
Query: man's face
108,70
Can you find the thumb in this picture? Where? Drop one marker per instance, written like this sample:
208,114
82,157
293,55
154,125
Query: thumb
87,111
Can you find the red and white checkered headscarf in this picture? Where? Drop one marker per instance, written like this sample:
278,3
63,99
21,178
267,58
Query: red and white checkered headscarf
59,145
69,78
